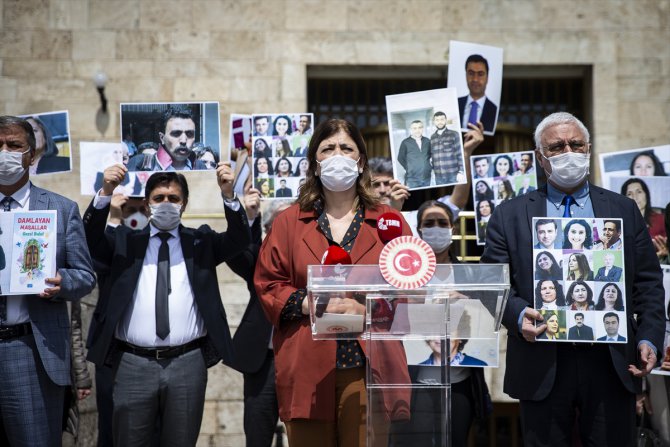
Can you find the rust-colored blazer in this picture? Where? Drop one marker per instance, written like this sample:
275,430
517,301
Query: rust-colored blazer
305,368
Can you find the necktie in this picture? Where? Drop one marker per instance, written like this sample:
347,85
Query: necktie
6,206
473,113
567,201
163,287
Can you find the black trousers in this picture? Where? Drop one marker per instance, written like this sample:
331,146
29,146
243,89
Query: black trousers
588,389
261,410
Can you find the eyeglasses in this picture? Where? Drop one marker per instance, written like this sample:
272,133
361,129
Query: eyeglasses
581,147
429,223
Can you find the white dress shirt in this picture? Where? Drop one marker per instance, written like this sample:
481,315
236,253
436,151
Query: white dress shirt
17,308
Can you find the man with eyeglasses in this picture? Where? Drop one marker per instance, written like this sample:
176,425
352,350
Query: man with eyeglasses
34,329
559,384
175,152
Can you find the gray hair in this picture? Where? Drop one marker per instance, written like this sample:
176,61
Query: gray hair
381,165
14,122
555,119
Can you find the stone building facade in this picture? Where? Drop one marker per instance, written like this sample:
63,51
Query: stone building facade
252,55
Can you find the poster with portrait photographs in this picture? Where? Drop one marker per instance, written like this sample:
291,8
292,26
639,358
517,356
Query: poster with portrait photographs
643,162
171,136
497,178
579,279
426,142
239,151
651,196
476,72
95,157
279,151
53,150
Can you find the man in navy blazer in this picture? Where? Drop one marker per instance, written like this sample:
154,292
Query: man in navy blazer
34,329
611,323
477,76
596,382
158,375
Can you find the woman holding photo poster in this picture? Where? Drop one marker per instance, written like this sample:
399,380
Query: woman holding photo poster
321,385
577,235
578,268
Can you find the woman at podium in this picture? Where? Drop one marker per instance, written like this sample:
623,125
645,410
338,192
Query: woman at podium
321,384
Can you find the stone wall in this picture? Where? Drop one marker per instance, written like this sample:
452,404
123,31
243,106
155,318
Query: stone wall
251,56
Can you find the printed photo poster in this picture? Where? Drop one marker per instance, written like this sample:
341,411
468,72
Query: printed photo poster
95,157
280,143
239,151
426,142
579,279
171,136
476,72
27,251
53,150
643,162
652,198
497,178
473,353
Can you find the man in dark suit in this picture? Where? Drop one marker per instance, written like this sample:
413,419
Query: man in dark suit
580,331
476,106
254,356
34,329
283,191
556,381
414,156
161,322
609,272
611,323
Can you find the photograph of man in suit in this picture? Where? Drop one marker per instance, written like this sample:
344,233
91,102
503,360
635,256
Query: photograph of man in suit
35,348
161,322
476,106
261,126
611,324
414,156
482,167
525,165
595,385
546,232
609,272
580,331
611,236
526,187
283,190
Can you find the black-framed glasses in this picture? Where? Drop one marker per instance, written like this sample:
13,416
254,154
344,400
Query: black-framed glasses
579,146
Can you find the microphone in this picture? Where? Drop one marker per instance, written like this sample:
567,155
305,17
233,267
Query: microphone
389,227
335,255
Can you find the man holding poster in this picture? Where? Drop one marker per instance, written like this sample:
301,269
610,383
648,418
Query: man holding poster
557,383
34,329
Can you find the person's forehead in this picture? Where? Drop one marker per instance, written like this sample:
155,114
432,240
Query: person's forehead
476,66
561,131
546,226
610,225
14,133
482,160
180,123
381,176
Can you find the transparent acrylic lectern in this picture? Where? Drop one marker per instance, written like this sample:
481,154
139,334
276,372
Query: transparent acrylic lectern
408,337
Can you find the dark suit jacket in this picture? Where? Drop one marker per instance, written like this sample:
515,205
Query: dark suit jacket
121,251
531,367
583,333
283,192
618,338
252,337
49,318
489,113
613,275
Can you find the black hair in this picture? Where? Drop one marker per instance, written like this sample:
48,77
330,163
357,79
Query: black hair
658,166
477,58
165,178
176,111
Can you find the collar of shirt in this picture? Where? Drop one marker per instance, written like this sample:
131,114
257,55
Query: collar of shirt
480,102
458,359
350,235
581,196
21,196
164,160
154,231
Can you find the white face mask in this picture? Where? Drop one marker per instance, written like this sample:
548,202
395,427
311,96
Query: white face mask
338,173
438,238
136,221
165,216
569,169
11,167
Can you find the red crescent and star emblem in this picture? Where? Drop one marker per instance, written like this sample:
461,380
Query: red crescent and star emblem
407,262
